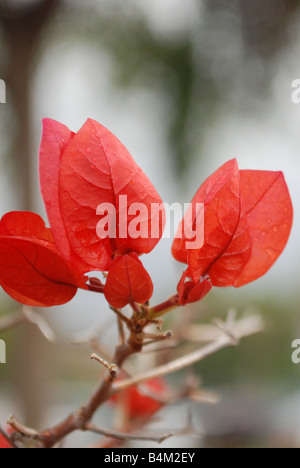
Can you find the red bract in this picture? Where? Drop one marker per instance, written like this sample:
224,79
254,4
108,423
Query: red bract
4,441
78,173
127,282
142,401
189,291
247,222
31,269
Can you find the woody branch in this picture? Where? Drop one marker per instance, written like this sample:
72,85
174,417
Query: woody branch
81,419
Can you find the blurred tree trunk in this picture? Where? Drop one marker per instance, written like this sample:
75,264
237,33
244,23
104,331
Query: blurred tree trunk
22,27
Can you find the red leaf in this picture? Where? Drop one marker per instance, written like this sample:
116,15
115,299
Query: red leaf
24,224
235,257
190,292
267,206
127,282
92,169
139,401
229,266
220,196
263,231
31,269
54,141
4,441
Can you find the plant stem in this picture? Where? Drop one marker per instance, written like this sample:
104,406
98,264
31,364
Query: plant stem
79,419
164,307
245,327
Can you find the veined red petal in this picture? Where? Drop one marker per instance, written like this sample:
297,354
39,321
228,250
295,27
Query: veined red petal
24,224
247,224
267,206
226,270
95,169
55,139
127,281
33,272
221,198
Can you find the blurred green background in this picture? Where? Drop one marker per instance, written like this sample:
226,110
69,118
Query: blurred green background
186,86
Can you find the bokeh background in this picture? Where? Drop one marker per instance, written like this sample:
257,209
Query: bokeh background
185,86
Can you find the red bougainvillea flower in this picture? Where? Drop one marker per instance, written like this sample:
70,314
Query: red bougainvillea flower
4,441
78,173
247,222
142,401
32,271
127,282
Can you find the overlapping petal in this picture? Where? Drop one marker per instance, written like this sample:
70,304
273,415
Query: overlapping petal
127,282
32,271
248,217
82,171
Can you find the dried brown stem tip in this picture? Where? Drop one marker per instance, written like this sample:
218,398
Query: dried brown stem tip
112,368
23,430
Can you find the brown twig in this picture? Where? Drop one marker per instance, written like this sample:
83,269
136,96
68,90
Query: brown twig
173,345
159,438
23,430
112,368
119,314
243,328
80,419
122,337
156,337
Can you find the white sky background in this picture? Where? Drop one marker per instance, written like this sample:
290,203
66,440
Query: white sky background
70,87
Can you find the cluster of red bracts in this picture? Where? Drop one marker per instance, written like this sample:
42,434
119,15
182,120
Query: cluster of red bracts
247,221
